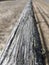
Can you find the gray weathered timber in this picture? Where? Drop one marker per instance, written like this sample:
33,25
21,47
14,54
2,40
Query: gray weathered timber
23,47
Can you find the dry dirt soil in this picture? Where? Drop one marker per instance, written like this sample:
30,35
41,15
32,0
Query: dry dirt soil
9,13
41,10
